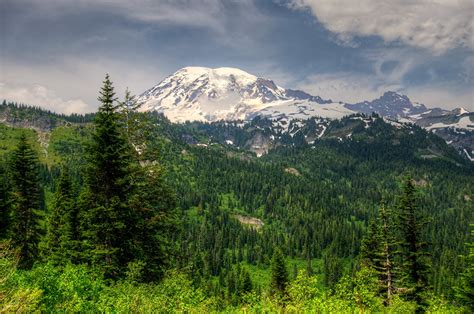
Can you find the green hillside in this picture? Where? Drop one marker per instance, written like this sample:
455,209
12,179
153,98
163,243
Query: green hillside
218,213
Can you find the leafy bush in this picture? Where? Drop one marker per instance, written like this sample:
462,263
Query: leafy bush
74,288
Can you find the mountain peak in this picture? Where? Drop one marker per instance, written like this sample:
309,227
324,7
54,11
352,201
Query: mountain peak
395,96
390,104
461,111
225,93
215,74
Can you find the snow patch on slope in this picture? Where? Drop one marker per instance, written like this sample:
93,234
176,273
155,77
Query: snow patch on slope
463,123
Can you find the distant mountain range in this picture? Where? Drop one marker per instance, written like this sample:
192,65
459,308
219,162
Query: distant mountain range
230,94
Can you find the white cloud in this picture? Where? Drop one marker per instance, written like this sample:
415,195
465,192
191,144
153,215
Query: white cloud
354,87
75,78
442,96
437,25
194,13
42,96
346,87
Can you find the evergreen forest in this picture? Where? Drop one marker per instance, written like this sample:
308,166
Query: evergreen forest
123,211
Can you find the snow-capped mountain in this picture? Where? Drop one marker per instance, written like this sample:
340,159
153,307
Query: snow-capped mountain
456,127
205,94
209,95
399,107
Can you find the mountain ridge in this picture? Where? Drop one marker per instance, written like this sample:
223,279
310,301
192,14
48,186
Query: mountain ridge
188,88
230,94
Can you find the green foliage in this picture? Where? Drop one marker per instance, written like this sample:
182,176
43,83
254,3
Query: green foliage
366,290
5,203
414,265
302,291
105,214
377,252
39,117
235,209
279,273
26,203
63,235
371,245
68,289
333,269
76,288
173,294
246,282
155,221
67,145
465,288
136,126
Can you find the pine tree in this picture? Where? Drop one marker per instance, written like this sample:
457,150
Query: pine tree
371,246
246,281
279,273
105,214
333,268
5,203
26,203
135,125
377,251
294,272
63,234
465,289
387,254
414,267
309,267
231,284
127,212
155,220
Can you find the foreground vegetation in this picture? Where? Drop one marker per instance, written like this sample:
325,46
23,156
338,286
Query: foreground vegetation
78,288
122,215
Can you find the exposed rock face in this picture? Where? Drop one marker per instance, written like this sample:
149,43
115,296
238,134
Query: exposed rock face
252,222
293,171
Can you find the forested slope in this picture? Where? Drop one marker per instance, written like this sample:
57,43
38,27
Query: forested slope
201,219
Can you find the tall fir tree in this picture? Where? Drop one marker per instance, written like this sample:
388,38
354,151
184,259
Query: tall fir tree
5,203
309,267
129,213
465,288
414,269
371,245
136,125
332,269
26,203
154,208
377,252
246,281
105,214
279,273
63,233
387,269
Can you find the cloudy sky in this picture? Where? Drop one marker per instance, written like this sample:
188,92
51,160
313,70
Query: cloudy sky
55,53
